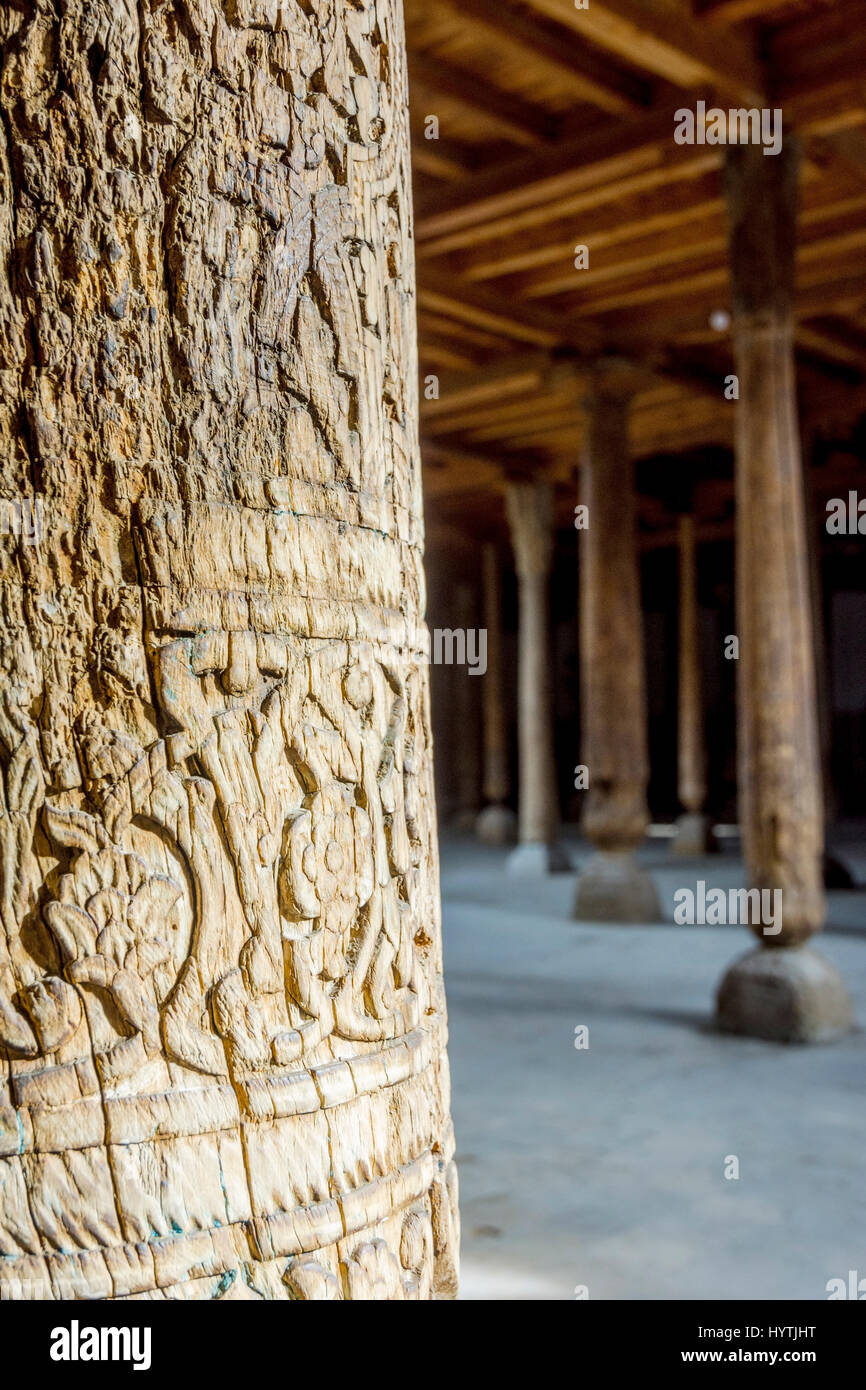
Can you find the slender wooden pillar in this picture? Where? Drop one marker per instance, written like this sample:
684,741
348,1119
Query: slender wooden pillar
787,991
467,691
691,837
497,823
613,886
530,516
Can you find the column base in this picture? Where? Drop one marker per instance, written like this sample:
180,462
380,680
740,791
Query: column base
614,887
496,825
784,994
693,835
536,860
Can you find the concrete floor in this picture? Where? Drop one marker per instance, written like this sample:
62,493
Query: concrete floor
605,1167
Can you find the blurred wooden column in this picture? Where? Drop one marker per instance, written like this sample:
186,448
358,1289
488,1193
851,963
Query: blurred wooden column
692,826
835,873
613,886
782,990
497,823
530,516
467,700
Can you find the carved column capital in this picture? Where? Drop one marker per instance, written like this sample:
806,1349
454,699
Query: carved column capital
529,505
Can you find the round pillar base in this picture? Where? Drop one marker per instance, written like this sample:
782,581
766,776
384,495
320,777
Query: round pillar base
693,835
614,887
536,859
784,994
496,825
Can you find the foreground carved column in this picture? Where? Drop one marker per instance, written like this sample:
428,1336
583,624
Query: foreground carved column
221,1007
496,825
613,887
530,517
782,990
692,826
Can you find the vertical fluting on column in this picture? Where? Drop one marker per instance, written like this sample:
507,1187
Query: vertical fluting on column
496,825
530,517
786,992
692,826
613,886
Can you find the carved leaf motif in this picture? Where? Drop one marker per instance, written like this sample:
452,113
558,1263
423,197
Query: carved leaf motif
74,829
74,928
55,1008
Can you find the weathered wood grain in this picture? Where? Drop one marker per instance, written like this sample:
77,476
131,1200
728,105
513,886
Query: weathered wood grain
222,1068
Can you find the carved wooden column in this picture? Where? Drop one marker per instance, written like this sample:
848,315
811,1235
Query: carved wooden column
782,990
613,886
692,826
221,1009
496,825
530,516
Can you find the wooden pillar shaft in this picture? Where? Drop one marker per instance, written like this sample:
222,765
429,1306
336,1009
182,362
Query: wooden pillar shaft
611,639
495,728
530,515
691,756
466,695
779,765
222,1022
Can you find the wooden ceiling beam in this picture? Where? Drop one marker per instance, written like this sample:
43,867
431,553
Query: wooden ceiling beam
611,260
443,353
500,420
835,339
548,177
815,259
736,11
441,159
531,371
608,226
443,294
592,78
517,119
643,256
669,43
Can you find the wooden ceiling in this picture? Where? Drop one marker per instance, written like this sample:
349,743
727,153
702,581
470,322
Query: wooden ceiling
555,129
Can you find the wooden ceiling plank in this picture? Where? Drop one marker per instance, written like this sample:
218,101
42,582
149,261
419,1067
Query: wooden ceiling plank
736,11
671,44
518,119
491,382
614,226
583,162
592,78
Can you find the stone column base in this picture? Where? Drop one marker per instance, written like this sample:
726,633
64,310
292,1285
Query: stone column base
693,835
784,994
536,860
615,888
496,825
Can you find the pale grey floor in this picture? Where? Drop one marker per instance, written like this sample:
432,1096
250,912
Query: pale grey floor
605,1167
